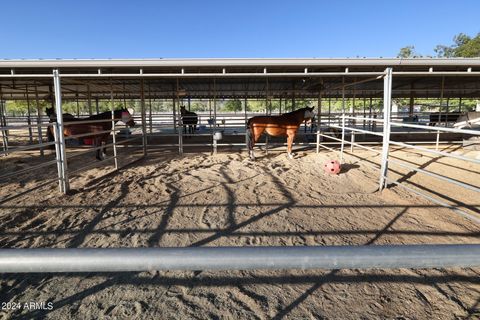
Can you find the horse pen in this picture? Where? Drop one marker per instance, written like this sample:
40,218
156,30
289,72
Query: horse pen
187,224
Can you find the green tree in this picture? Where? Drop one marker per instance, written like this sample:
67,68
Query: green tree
257,105
407,52
233,105
464,46
198,106
469,47
444,51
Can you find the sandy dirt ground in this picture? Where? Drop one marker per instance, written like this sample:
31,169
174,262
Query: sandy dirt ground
227,200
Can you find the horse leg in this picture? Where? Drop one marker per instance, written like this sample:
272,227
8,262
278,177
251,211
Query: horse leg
97,151
257,133
250,143
50,136
290,138
104,149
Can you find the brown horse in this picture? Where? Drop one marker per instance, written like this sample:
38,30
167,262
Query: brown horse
189,120
98,136
286,124
50,112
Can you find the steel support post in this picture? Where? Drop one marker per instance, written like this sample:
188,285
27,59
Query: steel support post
293,96
97,106
319,104
143,114
150,108
215,103
180,121
370,123
352,140
448,105
412,101
343,121
89,100
364,113
39,119
441,103
29,115
61,152
329,111
124,96
318,120
78,104
245,106
268,112
246,120
342,145
180,138
180,130
387,104
58,157
114,131
214,113
209,107
353,122
3,123
174,115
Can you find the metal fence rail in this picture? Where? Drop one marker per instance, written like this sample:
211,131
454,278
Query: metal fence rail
59,142
13,149
387,142
242,258
238,258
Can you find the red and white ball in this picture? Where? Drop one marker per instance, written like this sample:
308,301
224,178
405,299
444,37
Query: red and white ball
332,167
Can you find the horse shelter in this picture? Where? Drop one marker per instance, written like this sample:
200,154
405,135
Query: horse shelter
369,120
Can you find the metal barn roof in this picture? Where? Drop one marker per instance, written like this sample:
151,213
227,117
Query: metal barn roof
229,78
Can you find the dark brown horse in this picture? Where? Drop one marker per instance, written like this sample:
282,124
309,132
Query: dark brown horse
52,116
98,136
189,120
286,124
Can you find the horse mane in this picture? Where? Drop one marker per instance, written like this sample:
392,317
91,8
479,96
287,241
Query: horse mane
296,111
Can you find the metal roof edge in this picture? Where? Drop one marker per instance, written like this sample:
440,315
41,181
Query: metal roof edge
239,62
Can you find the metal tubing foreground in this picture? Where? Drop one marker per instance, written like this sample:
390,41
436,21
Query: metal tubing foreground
238,258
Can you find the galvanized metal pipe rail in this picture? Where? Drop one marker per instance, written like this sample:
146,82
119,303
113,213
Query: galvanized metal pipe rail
455,209
444,129
238,258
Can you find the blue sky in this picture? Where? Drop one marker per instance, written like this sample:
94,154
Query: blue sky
189,29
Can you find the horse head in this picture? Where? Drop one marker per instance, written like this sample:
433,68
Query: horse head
127,117
308,115
49,112
183,110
